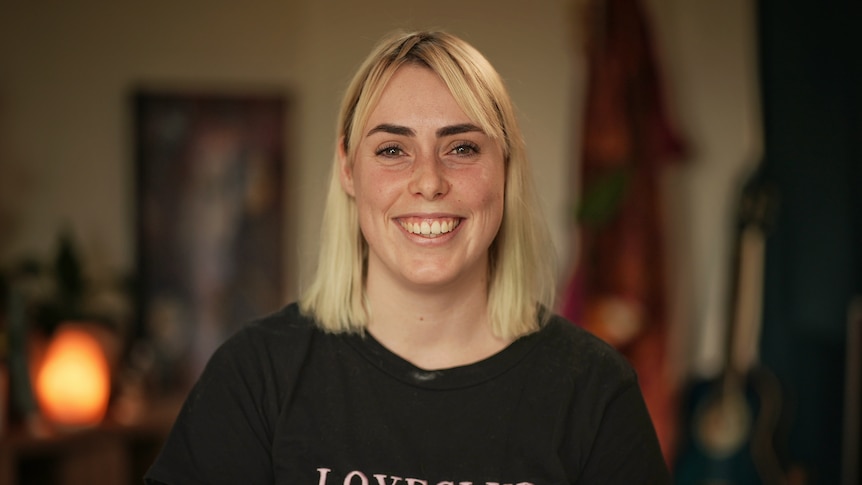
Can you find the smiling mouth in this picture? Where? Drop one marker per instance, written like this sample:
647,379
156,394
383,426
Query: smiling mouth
430,227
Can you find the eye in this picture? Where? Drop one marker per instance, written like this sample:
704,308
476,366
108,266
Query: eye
390,151
465,149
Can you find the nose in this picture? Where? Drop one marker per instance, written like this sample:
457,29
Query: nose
428,178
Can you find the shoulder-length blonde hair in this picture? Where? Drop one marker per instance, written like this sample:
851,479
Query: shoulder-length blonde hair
521,275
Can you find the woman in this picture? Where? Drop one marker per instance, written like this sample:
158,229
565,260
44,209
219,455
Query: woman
422,351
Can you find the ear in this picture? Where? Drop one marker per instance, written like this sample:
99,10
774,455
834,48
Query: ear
345,172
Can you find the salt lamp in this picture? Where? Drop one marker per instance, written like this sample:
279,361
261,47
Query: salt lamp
73,384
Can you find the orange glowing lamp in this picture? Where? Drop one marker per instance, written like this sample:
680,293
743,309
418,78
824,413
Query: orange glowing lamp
73,384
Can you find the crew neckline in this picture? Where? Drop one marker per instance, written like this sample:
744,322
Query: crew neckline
456,377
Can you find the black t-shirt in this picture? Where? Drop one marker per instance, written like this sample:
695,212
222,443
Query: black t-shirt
283,402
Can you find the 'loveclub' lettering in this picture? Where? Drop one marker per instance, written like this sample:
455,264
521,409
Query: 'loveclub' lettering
380,479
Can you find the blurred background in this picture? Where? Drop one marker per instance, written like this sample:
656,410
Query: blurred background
163,167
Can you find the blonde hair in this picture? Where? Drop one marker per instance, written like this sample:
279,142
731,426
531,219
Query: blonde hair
521,276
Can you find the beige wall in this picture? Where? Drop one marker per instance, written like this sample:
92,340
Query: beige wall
709,52
66,71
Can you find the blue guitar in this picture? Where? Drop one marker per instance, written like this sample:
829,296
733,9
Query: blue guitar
730,423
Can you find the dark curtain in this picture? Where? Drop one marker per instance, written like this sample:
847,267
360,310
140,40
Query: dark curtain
810,62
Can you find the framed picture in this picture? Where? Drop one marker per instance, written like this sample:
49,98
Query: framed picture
210,209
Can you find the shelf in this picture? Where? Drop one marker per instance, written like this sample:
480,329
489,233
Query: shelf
113,453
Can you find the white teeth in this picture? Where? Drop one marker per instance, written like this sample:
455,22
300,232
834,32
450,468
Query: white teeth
432,229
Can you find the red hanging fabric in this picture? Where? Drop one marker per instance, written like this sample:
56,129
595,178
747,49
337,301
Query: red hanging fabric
618,287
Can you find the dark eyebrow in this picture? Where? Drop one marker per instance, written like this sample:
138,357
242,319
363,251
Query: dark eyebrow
457,129
392,130
405,131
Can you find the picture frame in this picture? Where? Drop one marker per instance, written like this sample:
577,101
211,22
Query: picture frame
210,209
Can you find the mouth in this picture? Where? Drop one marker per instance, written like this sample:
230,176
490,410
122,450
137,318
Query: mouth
430,228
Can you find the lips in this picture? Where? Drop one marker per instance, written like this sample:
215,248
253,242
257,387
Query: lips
430,227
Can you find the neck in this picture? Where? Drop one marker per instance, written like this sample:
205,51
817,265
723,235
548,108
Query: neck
432,329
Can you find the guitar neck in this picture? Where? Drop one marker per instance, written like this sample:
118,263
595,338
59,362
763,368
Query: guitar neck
745,336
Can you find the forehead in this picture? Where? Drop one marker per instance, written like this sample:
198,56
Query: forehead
416,93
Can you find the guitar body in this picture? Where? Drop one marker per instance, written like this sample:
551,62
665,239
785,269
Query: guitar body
731,421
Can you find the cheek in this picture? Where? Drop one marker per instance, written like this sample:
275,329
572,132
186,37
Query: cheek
375,192
497,204
497,200
380,188
486,194
493,191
